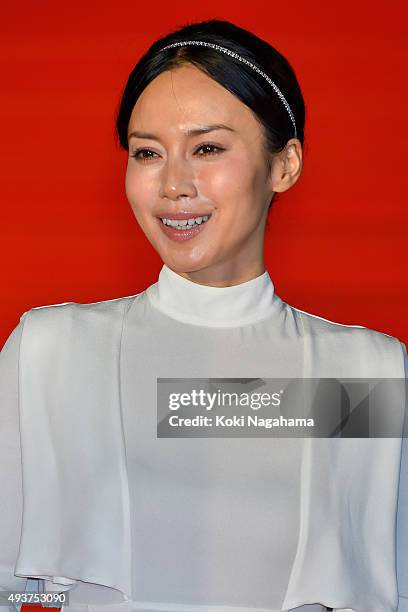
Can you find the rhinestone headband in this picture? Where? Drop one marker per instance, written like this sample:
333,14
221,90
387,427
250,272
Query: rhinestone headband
244,61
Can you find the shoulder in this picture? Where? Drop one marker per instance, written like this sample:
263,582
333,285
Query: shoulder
371,349
74,324
80,310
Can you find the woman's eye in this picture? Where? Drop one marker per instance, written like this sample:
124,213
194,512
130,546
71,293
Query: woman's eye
144,155
210,146
136,154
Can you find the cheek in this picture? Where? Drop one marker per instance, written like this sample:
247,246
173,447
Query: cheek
234,188
223,183
139,191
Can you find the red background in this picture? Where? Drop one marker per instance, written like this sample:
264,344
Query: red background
337,241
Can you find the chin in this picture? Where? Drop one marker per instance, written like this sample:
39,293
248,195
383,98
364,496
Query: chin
180,262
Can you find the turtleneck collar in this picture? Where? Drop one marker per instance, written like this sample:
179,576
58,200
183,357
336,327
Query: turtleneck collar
190,302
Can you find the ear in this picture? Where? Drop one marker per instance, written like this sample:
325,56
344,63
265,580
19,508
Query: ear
287,166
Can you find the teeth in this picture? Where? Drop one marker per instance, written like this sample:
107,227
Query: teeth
184,224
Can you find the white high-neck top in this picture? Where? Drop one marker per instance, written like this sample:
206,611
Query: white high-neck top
217,529
216,524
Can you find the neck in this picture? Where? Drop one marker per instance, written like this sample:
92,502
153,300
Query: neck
217,306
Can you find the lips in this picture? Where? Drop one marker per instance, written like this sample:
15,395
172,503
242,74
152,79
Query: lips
179,235
183,215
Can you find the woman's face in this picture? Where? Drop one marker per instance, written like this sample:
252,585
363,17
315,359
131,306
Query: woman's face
219,173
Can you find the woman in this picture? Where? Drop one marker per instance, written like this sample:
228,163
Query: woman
113,514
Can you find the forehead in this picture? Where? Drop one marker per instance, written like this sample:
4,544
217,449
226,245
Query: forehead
185,95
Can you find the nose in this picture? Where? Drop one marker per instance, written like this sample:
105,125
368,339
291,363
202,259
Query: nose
177,180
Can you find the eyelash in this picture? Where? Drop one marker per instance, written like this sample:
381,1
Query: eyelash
144,160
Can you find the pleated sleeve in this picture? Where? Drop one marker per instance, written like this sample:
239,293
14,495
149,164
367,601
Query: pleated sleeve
402,513
11,496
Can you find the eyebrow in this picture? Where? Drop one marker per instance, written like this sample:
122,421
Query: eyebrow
189,133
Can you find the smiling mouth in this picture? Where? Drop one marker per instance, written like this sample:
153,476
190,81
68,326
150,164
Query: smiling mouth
185,224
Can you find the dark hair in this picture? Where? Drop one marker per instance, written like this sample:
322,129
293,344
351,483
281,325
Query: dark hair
241,80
